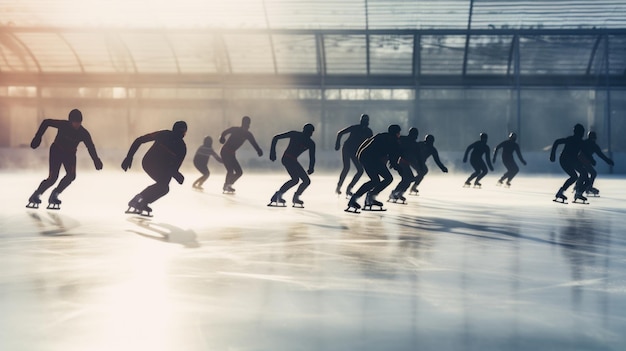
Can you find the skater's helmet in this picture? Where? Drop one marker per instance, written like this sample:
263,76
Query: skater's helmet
483,136
592,136
180,128
413,133
512,136
579,130
308,129
208,141
365,120
430,139
75,116
394,129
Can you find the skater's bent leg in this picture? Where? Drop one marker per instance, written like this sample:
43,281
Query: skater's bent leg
70,169
382,184
295,170
482,173
359,171
237,172
229,161
54,162
306,181
370,168
569,168
345,159
155,191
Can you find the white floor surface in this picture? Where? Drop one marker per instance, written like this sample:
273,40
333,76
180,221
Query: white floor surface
454,269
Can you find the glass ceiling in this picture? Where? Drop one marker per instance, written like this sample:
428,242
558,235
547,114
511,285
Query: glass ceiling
392,38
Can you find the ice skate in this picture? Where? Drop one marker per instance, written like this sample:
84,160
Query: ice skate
579,196
352,204
508,184
499,183
34,200
593,192
559,197
277,200
414,191
349,193
296,202
396,196
467,184
138,206
370,200
228,189
53,201
477,185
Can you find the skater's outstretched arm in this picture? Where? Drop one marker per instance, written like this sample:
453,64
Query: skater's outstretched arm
255,145
275,140
180,151
339,134
556,143
135,146
495,151
91,148
519,154
469,148
486,152
438,161
42,129
598,151
311,158
216,156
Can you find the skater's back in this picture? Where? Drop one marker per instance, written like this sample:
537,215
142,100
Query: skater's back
382,146
239,135
357,134
572,145
68,137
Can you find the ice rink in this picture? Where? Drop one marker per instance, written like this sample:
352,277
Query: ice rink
453,269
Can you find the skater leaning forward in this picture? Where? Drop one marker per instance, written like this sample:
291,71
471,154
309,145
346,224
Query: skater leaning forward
161,162
298,143
358,133
571,164
479,149
62,152
374,154
201,161
236,137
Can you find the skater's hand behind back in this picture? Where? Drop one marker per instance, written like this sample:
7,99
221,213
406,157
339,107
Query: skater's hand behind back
272,156
310,171
35,143
127,163
260,153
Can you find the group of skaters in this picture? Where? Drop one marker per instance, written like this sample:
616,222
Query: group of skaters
371,154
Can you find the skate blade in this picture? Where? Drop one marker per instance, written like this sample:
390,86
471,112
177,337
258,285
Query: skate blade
298,205
32,205
276,204
370,208
560,201
53,207
132,210
414,194
580,202
354,210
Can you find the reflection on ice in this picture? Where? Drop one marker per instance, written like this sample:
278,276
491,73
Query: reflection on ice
454,269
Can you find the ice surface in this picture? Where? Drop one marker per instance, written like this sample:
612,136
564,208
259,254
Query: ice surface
454,269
